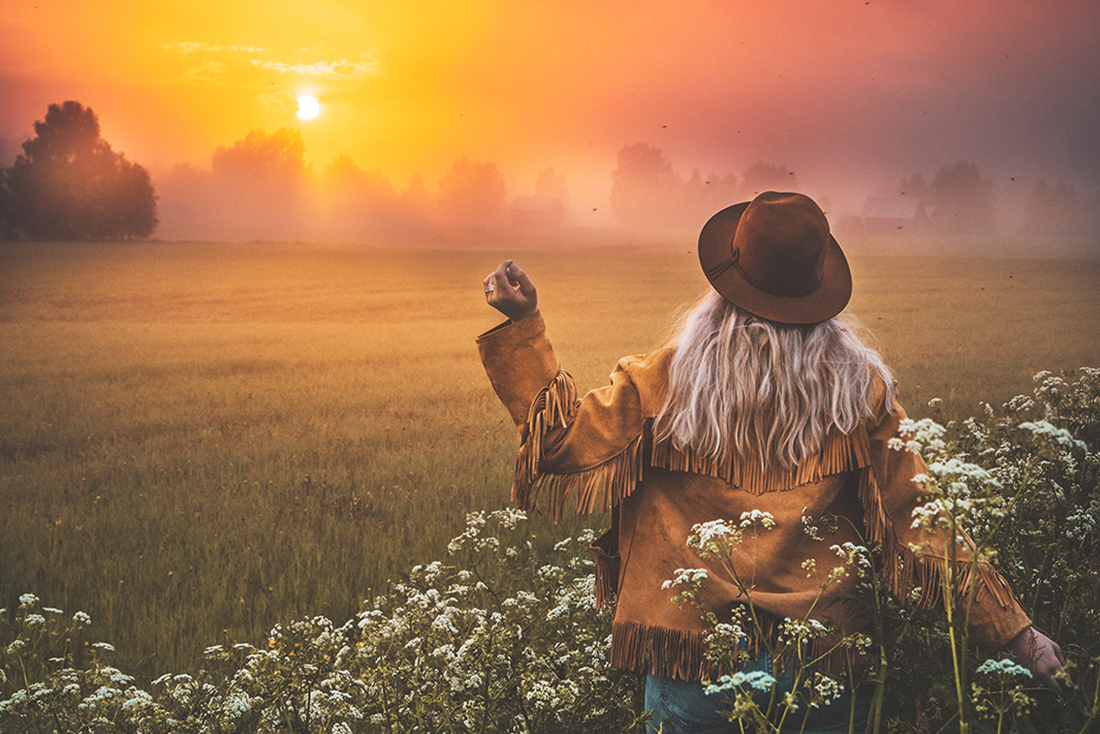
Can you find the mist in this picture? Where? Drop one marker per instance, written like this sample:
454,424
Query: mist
850,98
261,188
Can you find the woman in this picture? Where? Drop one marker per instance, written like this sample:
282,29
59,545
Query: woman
765,401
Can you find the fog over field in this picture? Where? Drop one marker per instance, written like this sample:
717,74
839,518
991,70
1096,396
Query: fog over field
441,115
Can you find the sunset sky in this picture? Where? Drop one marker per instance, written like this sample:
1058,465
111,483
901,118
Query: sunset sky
849,94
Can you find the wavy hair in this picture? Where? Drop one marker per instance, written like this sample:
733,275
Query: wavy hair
740,385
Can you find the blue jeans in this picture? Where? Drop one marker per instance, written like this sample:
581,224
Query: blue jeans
683,708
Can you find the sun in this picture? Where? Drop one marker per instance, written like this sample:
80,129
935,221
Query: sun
308,107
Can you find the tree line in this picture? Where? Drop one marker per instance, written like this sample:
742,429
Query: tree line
68,184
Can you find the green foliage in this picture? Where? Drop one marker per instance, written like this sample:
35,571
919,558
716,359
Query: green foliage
1026,486
498,642
506,638
200,440
70,185
795,682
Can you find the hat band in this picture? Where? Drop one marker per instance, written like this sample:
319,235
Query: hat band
720,267
734,262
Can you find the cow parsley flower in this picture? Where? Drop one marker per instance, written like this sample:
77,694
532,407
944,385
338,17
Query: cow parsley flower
756,679
757,517
685,576
1002,667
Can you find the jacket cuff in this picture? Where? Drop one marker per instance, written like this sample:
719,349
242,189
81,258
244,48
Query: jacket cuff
992,624
512,331
520,362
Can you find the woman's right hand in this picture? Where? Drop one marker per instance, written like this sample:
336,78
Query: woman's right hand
510,291
1041,655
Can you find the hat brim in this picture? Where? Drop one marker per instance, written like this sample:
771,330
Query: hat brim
821,304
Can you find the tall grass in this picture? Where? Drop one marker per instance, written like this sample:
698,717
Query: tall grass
199,441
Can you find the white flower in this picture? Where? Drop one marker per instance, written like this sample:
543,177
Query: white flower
1002,667
686,576
26,601
710,532
828,689
1045,429
757,679
929,514
136,698
757,517
508,517
808,525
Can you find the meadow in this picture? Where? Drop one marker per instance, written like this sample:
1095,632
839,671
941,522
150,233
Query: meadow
198,440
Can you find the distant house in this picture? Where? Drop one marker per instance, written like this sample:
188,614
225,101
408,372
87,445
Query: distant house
537,211
884,214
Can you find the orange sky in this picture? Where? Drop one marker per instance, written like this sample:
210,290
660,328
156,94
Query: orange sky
847,93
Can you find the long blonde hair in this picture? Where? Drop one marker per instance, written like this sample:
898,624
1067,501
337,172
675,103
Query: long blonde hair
743,386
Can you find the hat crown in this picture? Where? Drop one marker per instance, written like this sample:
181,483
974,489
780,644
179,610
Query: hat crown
775,257
780,244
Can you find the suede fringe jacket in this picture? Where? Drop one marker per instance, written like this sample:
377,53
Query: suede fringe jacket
600,448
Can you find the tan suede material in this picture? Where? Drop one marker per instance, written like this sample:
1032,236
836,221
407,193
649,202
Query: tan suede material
598,448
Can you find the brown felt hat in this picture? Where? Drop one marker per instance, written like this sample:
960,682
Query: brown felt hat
774,257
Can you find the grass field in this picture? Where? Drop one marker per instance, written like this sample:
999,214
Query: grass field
200,440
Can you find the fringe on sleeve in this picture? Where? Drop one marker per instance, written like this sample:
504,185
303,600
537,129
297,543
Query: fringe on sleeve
599,487
904,570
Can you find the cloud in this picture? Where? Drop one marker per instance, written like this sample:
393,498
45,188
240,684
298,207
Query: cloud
281,101
189,47
207,71
342,70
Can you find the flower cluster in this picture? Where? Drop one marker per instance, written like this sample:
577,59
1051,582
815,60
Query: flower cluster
501,638
501,643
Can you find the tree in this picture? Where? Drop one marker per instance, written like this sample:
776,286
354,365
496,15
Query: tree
362,203
352,191
551,185
705,196
915,187
472,191
7,211
645,192
1059,211
1081,140
415,199
258,186
278,159
962,200
761,177
69,184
